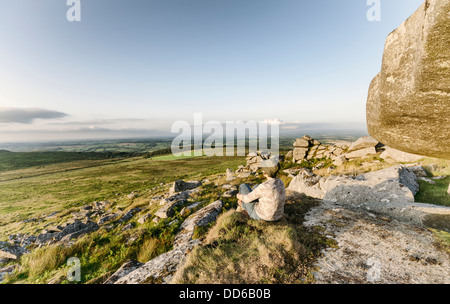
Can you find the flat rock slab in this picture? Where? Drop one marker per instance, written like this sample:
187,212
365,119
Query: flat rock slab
125,269
372,248
180,186
363,143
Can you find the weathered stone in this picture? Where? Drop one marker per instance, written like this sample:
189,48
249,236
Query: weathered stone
230,193
395,155
129,215
395,184
180,186
339,160
128,227
75,230
145,218
301,143
289,155
361,153
7,270
168,209
300,153
161,268
10,251
45,237
107,218
408,101
191,208
125,269
419,171
363,143
230,175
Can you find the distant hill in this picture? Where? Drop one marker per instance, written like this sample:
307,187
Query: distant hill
5,151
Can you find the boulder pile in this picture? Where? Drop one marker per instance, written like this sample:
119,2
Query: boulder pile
307,148
389,191
161,268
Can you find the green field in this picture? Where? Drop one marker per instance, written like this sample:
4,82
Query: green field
22,160
28,196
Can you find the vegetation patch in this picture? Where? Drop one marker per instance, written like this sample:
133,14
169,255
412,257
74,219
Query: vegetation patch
239,250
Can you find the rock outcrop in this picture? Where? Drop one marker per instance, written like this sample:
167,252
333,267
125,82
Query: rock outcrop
161,268
395,184
389,191
10,251
180,186
394,155
408,102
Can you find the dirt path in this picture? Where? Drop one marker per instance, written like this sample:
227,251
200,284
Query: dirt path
373,248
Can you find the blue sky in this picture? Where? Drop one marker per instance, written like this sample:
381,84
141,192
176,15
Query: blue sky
130,67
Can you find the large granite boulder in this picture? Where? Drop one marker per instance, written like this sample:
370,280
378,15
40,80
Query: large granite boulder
408,102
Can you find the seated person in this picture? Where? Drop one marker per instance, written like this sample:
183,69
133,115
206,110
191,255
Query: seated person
265,201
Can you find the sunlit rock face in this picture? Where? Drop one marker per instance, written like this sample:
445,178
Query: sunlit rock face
408,106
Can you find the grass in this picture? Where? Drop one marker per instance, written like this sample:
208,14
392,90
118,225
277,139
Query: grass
239,250
437,193
36,196
22,160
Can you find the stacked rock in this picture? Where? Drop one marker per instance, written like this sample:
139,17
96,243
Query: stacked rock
307,148
254,159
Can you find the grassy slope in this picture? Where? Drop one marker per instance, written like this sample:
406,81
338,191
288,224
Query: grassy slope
286,258
23,160
26,198
239,250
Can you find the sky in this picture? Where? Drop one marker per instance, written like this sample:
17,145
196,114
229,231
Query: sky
135,67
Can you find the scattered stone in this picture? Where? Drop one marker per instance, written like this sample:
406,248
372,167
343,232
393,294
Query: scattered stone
418,170
361,153
363,143
125,269
230,193
230,175
132,195
161,268
339,160
9,251
107,218
189,209
173,201
129,215
180,186
7,270
427,180
145,218
128,227
393,155
75,230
